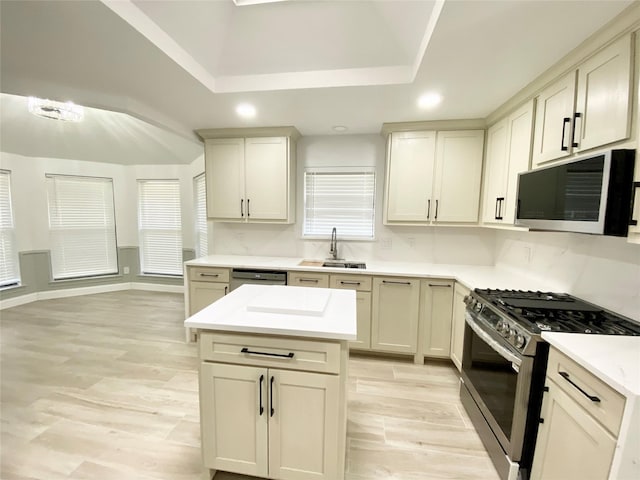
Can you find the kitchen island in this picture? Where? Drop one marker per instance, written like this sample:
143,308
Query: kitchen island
272,381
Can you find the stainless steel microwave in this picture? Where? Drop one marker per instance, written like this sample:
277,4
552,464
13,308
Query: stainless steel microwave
592,194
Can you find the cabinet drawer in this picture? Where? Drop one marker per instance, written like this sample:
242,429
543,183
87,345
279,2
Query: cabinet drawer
284,353
209,274
308,279
572,378
351,282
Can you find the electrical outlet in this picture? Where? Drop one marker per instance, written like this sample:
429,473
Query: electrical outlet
126,270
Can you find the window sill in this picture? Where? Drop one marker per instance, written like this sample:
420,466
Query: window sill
80,279
8,288
159,275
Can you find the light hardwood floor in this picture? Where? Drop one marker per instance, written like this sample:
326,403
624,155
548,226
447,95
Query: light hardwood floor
103,387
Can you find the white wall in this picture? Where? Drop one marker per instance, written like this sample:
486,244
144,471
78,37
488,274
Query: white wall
29,195
424,244
599,269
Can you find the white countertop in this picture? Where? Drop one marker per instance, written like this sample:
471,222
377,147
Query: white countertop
472,276
612,358
282,310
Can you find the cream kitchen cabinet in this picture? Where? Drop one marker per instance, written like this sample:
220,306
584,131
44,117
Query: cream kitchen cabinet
580,422
459,322
250,179
206,285
436,309
308,279
433,177
395,314
362,285
278,417
508,154
588,107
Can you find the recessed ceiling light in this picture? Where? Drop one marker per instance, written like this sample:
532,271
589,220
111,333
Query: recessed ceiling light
65,111
429,100
246,110
339,128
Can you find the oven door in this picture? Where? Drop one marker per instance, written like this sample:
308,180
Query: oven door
499,380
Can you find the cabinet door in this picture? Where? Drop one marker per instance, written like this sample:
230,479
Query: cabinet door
234,418
457,329
303,425
458,174
571,443
394,319
363,306
266,178
224,175
409,180
495,171
602,104
518,155
436,309
554,112
203,294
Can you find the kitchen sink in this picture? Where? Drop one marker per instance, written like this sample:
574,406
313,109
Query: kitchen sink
343,264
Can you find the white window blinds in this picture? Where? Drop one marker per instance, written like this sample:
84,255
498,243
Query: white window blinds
9,269
82,226
160,227
343,199
200,197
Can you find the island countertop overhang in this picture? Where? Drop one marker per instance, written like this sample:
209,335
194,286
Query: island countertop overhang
232,313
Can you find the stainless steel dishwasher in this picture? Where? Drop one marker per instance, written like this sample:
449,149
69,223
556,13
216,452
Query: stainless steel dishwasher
241,276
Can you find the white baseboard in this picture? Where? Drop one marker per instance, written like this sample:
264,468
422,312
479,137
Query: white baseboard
73,292
156,287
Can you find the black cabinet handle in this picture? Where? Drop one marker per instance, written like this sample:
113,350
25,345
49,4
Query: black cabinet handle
390,282
428,208
593,398
435,217
253,352
242,207
445,285
344,282
495,210
565,120
261,407
576,116
633,221
273,410
214,275
500,201
226,289
248,213
311,280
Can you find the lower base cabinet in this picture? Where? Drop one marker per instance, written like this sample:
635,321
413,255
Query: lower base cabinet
272,422
436,304
458,325
395,312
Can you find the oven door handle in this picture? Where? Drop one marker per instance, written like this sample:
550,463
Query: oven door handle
495,346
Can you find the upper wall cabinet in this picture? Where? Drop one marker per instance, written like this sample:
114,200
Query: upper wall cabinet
433,177
508,153
250,179
586,108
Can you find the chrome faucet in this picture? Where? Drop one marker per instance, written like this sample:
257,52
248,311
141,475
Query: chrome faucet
333,246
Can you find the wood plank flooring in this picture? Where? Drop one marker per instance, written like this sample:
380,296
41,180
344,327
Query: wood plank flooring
103,387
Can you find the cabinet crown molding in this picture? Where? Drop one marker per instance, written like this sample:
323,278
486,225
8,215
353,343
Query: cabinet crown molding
287,131
463,124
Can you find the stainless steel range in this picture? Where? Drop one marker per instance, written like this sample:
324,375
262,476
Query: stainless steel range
504,363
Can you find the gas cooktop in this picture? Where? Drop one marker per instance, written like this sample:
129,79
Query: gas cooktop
556,312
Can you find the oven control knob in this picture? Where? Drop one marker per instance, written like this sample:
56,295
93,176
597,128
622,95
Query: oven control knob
502,327
477,306
512,333
519,340
467,299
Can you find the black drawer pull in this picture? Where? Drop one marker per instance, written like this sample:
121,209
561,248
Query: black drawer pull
344,282
593,398
261,407
390,282
252,352
215,275
312,280
440,285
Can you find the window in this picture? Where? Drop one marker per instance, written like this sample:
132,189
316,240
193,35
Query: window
160,227
341,198
82,226
9,267
200,202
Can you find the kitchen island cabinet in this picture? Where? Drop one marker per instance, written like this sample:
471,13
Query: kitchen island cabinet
272,381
